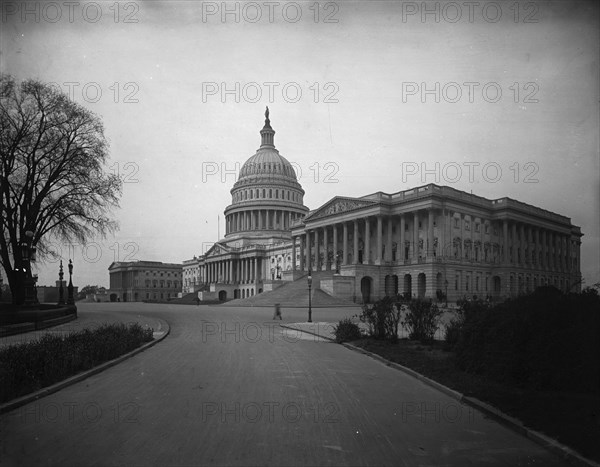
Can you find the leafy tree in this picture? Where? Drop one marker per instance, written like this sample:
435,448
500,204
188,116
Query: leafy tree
88,289
52,179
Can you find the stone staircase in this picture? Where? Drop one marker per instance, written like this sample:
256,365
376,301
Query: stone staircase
295,294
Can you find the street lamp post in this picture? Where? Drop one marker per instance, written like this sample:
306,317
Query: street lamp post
446,284
28,255
309,296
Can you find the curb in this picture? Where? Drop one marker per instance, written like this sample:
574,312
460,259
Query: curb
15,403
564,452
307,332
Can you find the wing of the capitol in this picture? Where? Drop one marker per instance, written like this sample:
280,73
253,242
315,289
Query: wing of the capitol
419,242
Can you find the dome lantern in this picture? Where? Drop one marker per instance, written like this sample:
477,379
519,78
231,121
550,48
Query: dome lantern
267,133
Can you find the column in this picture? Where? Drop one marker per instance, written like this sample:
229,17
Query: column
401,247
253,273
345,243
544,263
568,259
538,263
379,242
301,253
430,232
442,248
415,239
355,256
522,245
505,240
308,251
293,253
530,246
335,245
551,251
513,240
325,248
317,266
389,246
367,250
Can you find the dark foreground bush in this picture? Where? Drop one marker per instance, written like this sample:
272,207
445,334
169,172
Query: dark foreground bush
346,331
545,340
30,366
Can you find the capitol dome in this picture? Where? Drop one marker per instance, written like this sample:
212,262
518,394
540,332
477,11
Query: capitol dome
267,198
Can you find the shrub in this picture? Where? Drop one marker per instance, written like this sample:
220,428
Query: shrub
382,319
544,340
347,330
422,319
33,365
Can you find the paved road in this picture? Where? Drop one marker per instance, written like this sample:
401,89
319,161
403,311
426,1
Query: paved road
229,387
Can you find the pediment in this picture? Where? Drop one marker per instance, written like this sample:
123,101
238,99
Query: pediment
216,250
338,205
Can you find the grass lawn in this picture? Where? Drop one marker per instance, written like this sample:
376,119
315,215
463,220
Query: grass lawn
571,418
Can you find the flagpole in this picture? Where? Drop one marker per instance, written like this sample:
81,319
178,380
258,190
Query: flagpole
218,229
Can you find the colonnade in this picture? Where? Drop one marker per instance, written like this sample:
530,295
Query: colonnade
260,219
229,271
435,234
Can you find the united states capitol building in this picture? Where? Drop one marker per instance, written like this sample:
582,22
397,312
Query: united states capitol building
419,242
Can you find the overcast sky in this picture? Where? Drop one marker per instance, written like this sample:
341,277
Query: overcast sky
363,97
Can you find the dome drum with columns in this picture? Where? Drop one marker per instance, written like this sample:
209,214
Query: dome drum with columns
266,199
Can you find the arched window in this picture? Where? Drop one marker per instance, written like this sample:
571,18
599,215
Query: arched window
277,194
270,193
264,193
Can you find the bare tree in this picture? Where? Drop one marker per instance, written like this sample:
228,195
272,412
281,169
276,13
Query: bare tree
52,178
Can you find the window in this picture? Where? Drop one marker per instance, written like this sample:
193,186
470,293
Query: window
456,221
477,227
487,228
